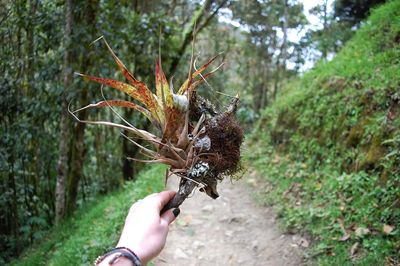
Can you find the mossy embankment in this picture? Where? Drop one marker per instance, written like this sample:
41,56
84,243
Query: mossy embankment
94,228
330,148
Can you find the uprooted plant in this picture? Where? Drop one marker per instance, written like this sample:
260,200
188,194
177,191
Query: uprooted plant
199,143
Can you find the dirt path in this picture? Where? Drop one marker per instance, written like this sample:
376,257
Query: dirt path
231,230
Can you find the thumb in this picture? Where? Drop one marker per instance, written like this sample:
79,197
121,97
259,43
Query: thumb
170,215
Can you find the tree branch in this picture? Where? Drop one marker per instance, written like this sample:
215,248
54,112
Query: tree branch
188,34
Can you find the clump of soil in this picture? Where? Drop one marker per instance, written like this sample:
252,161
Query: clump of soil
226,136
218,149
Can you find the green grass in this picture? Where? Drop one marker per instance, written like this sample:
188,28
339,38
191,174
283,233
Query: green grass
332,148
94,228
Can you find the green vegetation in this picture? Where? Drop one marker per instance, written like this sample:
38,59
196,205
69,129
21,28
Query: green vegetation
330,147
94,228
339,124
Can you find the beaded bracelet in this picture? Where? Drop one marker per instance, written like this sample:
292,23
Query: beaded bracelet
122,252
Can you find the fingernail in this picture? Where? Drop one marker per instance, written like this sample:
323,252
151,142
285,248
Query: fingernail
176,212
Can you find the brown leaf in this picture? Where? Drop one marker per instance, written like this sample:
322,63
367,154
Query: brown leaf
354,249
387,229
346,235
162,88
121,103
341,224
139,92
362,231
188,82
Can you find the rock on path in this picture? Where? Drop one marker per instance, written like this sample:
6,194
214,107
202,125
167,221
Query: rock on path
231,230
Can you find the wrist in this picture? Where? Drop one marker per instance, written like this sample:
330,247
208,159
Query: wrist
119,256
122,261
137,250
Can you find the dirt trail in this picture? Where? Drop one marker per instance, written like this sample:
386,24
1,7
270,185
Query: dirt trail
231,230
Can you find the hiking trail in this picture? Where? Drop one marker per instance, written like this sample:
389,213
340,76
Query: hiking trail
231,230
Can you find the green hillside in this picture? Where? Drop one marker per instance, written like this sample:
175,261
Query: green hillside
95,228
330,147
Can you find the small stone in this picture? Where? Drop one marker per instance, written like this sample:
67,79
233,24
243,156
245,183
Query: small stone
208,208
223,219
229,233
179,254
254,245
240,229
197,244
304,243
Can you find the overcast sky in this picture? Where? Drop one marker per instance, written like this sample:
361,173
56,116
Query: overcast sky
293,35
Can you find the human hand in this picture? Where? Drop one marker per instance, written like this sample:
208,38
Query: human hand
145,231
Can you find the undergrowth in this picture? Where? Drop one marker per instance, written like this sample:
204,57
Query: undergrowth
95,228
330,147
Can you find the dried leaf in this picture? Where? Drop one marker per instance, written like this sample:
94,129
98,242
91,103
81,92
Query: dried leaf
141,133
362,231
174,124
187,83
142,94
162,87
140,86
346,235
194,85
353,249
120,103
387,229
132,80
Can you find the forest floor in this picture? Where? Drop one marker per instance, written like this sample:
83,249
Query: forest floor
231,230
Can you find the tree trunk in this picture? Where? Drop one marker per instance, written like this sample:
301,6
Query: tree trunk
78,152
30,48
130,168
77,157
14,225
62,165
281,61
127,165
325,24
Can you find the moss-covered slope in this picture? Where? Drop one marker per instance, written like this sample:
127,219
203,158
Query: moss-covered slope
330,145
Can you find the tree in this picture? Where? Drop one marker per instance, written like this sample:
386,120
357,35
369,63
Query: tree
266,22
354,11
199,21
87,20
62,165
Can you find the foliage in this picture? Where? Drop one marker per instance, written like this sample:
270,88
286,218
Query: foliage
32,48
354,11
265,48
95,228
331,152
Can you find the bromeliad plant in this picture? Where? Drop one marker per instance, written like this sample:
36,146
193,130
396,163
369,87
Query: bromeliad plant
200,144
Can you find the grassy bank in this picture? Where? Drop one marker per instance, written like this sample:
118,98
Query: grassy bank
94,228
330,148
